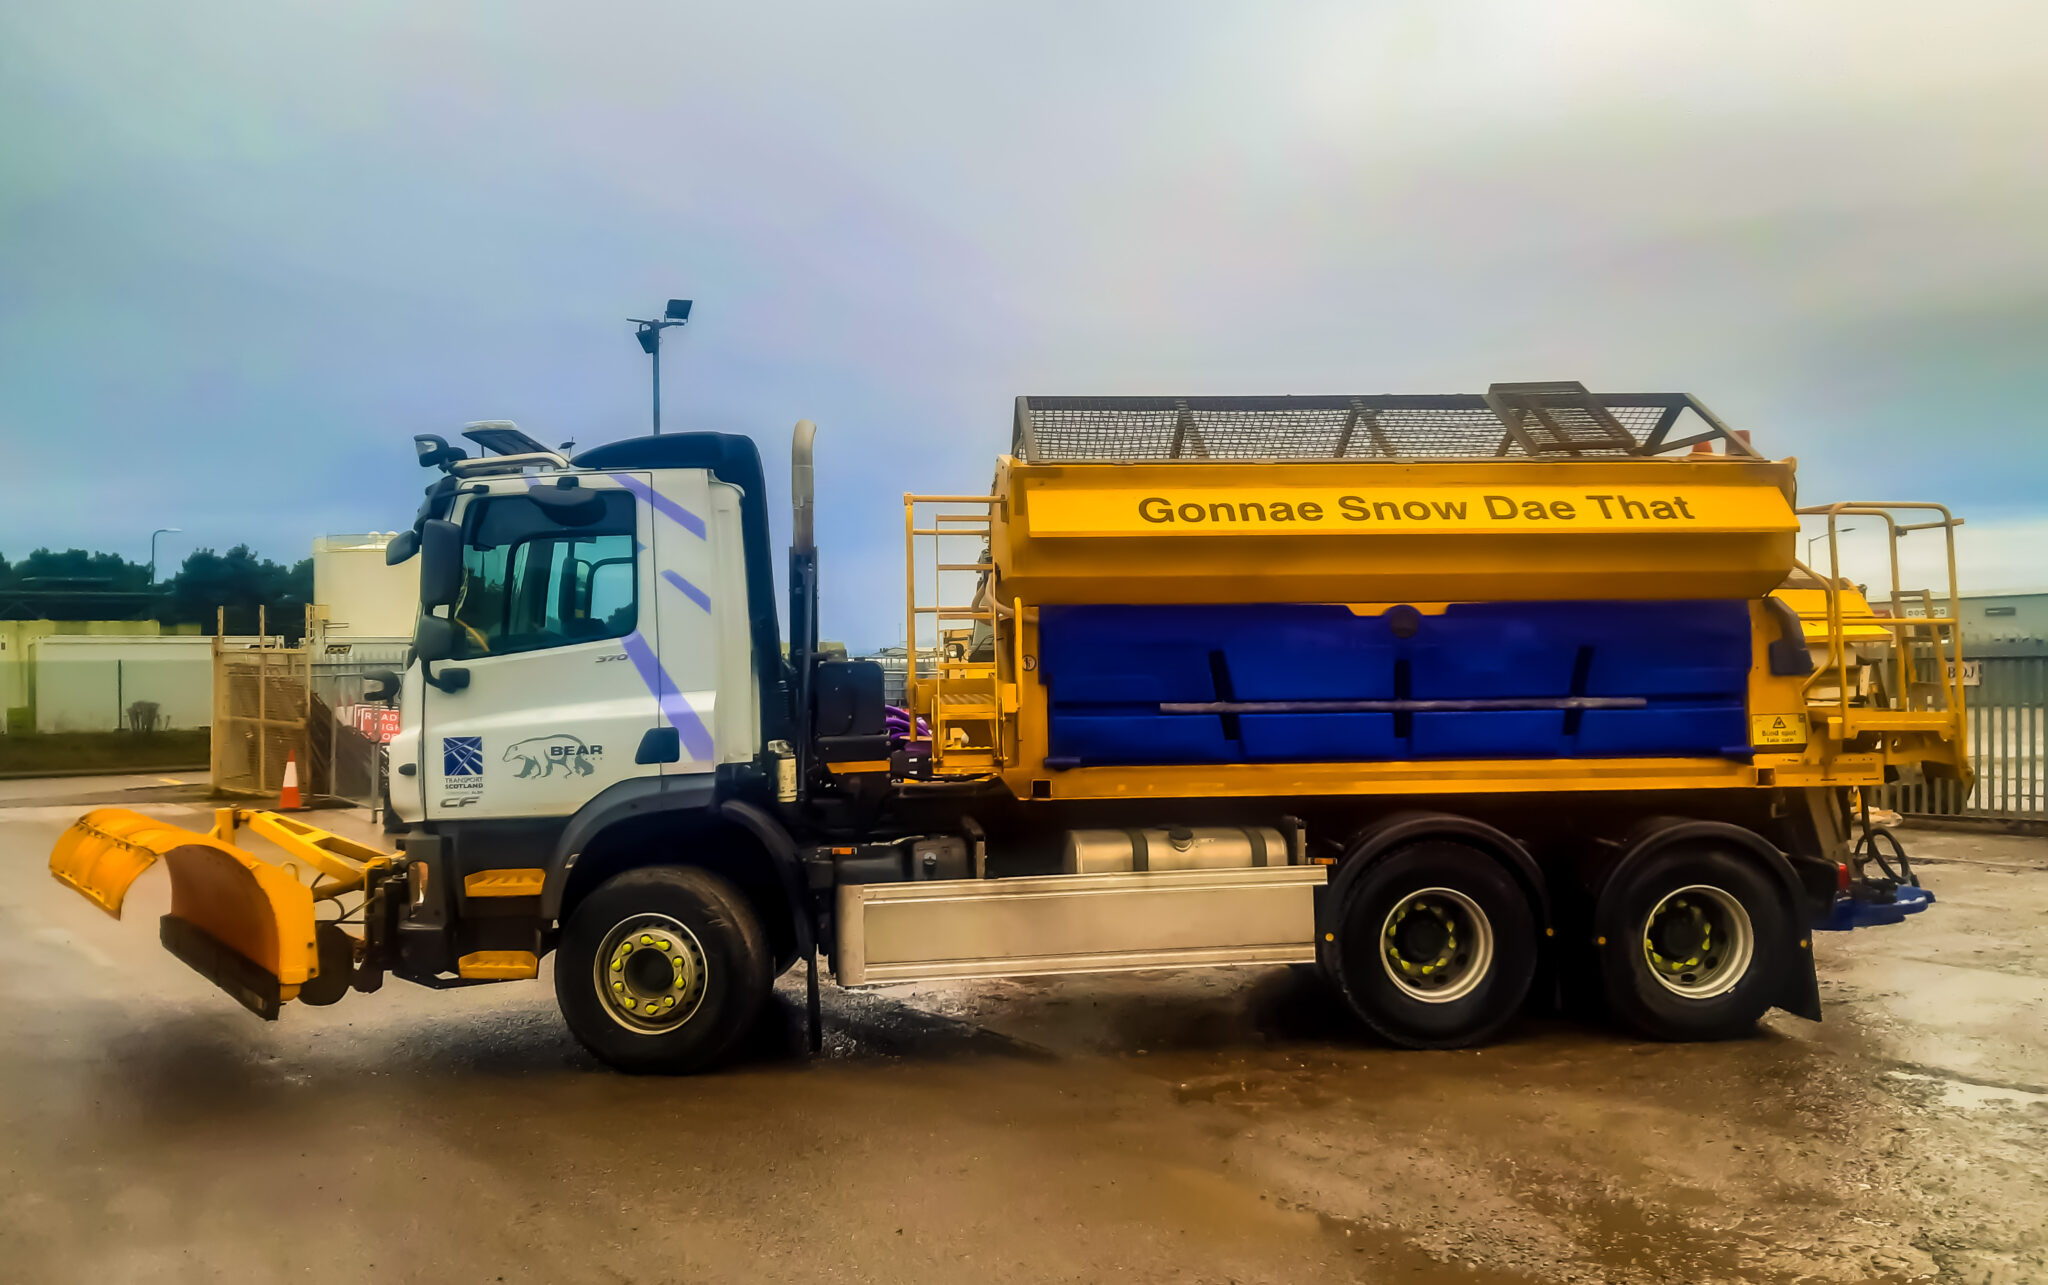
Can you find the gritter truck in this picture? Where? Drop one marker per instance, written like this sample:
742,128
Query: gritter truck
1472,702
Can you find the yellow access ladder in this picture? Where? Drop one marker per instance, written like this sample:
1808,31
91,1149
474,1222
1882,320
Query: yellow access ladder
957,684
1922,708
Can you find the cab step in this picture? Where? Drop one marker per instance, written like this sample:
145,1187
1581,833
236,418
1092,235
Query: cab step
498,965
518,882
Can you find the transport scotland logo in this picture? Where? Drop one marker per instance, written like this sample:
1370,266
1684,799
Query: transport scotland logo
462,756
462,771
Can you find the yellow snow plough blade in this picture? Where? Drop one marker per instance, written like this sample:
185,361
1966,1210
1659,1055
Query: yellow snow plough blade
244,923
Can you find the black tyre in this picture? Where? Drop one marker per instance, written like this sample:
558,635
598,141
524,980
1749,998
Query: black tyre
1435,946
1694,943
662,969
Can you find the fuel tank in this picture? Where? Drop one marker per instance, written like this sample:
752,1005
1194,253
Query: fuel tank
1163,848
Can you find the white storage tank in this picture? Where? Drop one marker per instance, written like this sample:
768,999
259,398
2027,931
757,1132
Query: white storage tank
365,599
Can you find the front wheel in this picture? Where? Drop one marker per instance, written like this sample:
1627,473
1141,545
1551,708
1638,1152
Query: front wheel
1694,943
1435,946
662,969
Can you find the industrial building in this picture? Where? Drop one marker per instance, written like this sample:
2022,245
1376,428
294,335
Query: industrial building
2001,624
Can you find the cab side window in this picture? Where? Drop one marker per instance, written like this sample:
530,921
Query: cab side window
530,582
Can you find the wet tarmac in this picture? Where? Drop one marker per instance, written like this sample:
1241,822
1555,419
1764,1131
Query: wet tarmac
1224,1126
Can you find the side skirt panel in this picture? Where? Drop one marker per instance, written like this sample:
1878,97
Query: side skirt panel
931,931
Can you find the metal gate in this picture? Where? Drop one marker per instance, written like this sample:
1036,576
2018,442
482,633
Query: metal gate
262,707
2008,743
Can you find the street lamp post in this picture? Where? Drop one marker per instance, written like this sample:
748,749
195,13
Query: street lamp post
1813,540
168,530
649,335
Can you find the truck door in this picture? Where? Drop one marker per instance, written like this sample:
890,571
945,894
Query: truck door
551,601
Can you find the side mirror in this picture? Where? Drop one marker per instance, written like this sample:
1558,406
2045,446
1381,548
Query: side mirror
433,638
435,452
402,547
441,563
381,685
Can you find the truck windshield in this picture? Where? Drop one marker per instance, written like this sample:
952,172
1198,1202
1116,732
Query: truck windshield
528,582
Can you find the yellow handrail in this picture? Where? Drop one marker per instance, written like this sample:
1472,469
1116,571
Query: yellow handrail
1947,660
927,684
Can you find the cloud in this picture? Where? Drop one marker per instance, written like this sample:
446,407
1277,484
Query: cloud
1994,553
244,254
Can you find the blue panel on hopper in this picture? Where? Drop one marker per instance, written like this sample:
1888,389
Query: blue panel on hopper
1693,729
1670,649
1311,652
1132,674
1314,738
1124,654
1107,668
1096,739
1490,650
1491,734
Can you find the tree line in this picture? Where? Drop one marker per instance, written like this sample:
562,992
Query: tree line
77,584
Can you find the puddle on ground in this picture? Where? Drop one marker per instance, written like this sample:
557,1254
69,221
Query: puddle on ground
1973,1095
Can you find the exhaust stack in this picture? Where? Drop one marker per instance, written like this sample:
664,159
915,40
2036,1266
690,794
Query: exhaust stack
803,596
800,485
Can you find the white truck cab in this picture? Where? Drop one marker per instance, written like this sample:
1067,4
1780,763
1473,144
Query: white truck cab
599,633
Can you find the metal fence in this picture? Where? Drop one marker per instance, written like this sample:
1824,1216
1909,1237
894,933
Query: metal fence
347,755
2008,744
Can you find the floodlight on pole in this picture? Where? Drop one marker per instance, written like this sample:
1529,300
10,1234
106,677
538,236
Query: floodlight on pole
649,335
166,530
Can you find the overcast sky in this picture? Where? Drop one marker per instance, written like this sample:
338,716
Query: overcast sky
247,250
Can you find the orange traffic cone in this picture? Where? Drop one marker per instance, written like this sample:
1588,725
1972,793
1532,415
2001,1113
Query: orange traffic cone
288,798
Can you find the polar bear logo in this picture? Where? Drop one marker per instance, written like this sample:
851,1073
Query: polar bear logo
541,755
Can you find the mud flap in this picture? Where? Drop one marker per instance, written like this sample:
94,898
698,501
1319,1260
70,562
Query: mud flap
1801,996
241,922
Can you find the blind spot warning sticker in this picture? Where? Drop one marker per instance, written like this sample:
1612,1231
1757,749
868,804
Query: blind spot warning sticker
1777,729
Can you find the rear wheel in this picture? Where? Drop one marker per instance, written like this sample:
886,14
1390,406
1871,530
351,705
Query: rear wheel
1435,946
662,969
1693,943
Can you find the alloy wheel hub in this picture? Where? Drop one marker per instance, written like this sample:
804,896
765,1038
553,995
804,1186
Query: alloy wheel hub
651,973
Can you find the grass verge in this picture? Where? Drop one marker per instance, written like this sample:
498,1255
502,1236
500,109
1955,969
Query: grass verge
30,753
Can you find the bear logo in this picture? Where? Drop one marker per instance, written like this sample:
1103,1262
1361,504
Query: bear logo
541,755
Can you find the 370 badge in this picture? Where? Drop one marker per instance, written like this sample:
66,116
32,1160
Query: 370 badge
462,771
